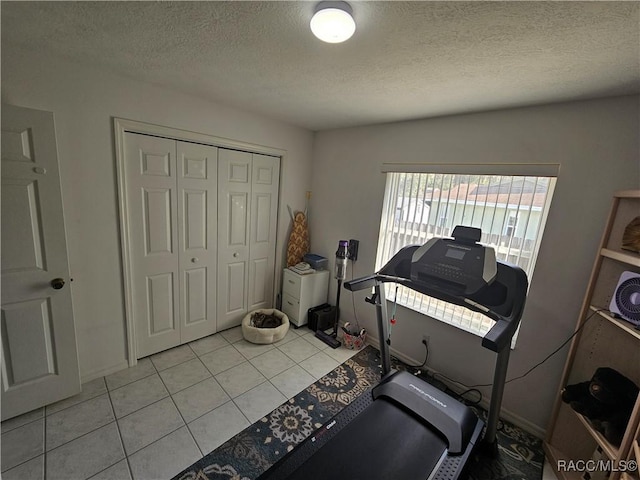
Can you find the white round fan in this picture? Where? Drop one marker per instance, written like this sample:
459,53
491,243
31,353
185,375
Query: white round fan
626,298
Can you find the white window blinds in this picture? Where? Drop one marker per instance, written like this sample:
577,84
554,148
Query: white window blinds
510,210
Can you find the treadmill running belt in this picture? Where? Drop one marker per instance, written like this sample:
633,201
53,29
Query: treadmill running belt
384,441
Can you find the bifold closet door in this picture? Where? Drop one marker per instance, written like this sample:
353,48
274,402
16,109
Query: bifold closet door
153,239
171,200
247,217
262,235
197,232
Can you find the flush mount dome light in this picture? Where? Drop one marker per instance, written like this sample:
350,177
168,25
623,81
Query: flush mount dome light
332,22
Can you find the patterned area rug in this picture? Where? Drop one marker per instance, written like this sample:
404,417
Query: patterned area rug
255,449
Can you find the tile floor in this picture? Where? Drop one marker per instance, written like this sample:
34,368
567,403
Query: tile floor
157,418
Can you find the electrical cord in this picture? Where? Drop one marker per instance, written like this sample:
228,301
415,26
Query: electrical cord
464,392
474,389
426,357
433,379
548,356
471,402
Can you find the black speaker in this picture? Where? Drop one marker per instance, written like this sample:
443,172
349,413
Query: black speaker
321,317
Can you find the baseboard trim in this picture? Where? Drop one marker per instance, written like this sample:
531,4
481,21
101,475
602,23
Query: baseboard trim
87,377
506,414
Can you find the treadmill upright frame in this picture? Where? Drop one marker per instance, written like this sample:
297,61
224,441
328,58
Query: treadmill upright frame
502,301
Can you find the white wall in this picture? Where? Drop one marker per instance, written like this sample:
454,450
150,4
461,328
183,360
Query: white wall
596,144
84,101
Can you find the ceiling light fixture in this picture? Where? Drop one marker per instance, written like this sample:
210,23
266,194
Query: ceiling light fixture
333,22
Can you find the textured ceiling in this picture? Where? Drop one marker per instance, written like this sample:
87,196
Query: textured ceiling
407,60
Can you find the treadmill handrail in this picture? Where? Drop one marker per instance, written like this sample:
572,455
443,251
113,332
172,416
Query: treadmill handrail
496,339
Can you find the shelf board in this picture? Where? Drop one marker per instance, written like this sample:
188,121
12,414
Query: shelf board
553,456
626,326
627,194
623,257
610,450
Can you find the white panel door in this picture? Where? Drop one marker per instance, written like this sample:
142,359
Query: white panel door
39,354
197,229
234,203
264,211
152,199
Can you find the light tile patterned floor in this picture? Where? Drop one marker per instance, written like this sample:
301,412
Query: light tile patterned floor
157,418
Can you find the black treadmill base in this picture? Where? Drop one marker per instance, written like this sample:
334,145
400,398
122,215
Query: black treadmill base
390,443
488,449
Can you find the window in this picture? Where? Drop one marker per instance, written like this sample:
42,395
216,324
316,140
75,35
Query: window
510,210
511,224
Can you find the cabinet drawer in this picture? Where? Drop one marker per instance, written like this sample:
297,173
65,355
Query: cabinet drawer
291,307
292,284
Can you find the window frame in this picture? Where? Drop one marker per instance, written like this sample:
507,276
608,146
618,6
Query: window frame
408,298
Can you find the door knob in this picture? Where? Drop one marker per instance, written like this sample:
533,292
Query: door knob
57,283
235,255
194,260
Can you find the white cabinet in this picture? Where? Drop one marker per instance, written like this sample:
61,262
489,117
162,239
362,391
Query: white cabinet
302,292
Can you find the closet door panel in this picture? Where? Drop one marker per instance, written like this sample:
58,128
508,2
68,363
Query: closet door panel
234,216
153,239
262,244
195,219
197,206
156,217
160,303
235,280
261,284
237,218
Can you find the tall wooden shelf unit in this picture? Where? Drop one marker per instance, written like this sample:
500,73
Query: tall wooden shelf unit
634,456
602,341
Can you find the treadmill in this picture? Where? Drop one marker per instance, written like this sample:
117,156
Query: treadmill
405,428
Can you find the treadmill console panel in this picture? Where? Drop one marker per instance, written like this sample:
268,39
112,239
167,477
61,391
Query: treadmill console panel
460,267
